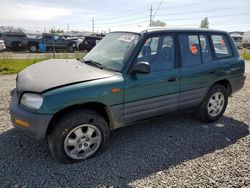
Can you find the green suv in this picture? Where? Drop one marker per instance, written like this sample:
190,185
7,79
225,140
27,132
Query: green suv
126,78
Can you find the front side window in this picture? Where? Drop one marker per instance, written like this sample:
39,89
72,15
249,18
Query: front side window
113,50
190,50
159,52
221,46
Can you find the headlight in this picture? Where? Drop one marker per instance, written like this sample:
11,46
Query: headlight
32,101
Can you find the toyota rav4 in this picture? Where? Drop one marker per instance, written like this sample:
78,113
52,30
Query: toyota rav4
127,77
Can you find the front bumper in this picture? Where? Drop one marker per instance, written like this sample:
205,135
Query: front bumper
37,123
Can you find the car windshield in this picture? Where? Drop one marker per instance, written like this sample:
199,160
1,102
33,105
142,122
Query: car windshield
113,50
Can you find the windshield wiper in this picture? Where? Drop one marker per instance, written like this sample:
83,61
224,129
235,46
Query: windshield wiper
96,64
99,65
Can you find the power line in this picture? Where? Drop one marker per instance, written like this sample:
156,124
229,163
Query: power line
199,11
157,9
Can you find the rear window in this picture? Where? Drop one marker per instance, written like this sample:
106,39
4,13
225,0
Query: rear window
221,46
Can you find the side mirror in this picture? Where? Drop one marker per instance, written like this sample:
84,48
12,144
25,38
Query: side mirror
142,67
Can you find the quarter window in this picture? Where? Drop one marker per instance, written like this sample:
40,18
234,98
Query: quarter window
221,46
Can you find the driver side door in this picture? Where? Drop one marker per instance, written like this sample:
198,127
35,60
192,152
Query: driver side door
156,93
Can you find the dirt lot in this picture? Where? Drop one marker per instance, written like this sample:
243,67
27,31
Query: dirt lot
170,151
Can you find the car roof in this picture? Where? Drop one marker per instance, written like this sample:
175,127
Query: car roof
182,29
164,29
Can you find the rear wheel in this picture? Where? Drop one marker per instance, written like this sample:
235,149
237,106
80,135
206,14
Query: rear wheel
78,136
214,104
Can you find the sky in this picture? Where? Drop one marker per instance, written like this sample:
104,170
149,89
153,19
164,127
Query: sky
229,15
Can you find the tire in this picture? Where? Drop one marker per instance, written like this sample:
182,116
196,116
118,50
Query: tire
70,49
33,48
15,46
71,139
214,104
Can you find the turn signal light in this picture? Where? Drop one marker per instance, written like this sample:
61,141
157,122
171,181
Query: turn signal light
21,123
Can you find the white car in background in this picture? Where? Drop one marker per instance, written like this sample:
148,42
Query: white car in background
237,40
2,45
246,40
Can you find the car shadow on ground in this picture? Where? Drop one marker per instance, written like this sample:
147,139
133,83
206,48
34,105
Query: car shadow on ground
135,152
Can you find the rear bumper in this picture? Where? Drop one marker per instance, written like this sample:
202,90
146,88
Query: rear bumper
237,83
37,123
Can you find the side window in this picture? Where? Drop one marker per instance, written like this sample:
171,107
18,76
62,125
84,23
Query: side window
0,34
190,50
205,49
221,46
159,52
154,44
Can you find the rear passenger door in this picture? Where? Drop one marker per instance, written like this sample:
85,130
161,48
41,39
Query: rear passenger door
198,68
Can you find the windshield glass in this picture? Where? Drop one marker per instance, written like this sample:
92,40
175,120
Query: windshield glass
112,51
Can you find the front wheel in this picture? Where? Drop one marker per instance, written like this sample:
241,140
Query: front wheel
78,136
214,104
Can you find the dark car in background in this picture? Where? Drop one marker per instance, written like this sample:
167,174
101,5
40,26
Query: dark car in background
89,42
60,42
14,40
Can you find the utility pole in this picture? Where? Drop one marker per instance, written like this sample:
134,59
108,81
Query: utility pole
68,27
93,25
150,16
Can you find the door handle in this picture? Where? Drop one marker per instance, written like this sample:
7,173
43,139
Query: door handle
172,79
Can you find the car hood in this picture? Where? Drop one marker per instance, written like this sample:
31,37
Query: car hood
56,73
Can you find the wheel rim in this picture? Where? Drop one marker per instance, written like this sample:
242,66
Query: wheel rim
83,141
33,48
215,104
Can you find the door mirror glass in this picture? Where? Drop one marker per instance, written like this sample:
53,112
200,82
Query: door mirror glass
142,67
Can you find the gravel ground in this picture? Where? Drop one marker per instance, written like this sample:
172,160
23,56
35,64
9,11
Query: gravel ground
172,151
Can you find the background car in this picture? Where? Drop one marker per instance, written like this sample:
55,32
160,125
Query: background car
61,43
237,40
2,45
89,42
14,40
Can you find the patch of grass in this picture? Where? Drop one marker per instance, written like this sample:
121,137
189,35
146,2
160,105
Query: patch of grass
11,66
245,56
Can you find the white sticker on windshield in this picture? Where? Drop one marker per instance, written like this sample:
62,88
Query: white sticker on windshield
127,38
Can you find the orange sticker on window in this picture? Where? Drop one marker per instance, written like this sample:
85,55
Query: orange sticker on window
194,49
